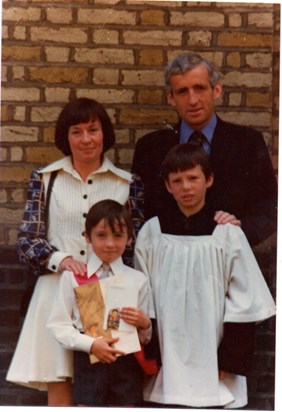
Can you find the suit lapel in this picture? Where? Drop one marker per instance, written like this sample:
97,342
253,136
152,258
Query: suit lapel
219,146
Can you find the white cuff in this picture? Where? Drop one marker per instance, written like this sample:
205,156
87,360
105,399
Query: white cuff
55,261
85,342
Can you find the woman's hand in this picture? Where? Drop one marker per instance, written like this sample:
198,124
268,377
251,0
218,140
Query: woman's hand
135,317
75,266
103,350
222,218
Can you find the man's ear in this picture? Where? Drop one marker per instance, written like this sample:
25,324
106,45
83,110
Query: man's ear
210,180
217,91
170,98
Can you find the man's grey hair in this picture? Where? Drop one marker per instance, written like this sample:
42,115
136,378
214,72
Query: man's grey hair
187,61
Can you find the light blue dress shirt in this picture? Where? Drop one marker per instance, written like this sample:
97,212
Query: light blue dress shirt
186,130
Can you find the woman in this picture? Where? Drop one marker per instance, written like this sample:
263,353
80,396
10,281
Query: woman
84,132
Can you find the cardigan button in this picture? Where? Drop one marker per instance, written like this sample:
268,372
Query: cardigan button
54,267
84,215
85,197
90,182
82,252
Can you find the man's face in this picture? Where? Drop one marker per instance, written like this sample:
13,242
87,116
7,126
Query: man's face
193,96
189,189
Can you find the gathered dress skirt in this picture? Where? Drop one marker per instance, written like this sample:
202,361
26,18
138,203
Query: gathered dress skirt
38,358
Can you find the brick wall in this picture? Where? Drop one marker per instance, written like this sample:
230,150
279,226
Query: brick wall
115,51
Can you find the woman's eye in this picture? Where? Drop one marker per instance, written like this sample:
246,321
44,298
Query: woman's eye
75,132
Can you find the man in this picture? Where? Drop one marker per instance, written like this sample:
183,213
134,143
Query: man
245,184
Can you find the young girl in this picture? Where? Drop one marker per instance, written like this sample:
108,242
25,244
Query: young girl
208,292
116,378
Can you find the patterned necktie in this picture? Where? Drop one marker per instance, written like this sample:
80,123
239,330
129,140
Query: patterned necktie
106,271
197,138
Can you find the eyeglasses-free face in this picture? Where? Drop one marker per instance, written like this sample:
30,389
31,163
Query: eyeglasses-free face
86,143
193,96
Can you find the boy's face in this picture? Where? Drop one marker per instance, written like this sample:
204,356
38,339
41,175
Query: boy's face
108,246
189,189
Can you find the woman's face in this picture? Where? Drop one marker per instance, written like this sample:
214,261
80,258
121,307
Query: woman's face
86,143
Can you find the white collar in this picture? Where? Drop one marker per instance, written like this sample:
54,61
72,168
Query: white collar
94,263
107,166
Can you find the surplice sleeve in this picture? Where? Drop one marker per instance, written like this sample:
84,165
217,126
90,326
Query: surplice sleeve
143,261
248,298
143,258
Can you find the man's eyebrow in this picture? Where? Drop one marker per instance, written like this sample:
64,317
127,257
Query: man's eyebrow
182,89
194,86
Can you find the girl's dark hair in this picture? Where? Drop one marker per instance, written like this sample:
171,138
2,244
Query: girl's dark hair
113,213
184,157
82,110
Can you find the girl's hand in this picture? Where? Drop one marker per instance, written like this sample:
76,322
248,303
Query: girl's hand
135,317
103,350
222,218
75,266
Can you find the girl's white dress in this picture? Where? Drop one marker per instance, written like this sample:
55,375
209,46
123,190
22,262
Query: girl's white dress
198,283
38,358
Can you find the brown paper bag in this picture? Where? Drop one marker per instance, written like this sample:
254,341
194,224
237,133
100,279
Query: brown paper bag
92,310
91,307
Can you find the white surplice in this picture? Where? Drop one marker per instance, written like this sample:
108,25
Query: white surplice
198,283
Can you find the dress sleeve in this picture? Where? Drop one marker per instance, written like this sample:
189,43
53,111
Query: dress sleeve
33,247
248,298
135,204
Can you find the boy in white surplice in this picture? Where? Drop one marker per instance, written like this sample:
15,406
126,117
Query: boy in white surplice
104,315
208,292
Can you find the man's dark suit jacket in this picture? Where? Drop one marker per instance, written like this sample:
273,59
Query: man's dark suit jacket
244,185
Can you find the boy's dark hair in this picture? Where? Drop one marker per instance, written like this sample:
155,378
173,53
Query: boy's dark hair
113,213
184,157
82,110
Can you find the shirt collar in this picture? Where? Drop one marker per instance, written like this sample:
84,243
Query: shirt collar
208,130
65,164
107,166
94,263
